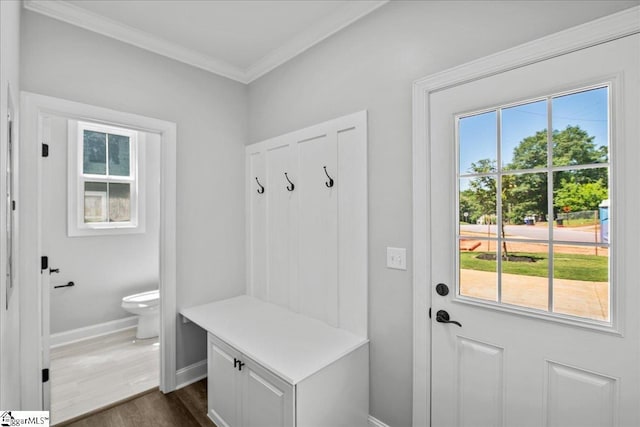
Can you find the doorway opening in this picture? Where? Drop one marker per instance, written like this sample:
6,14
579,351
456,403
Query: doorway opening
121,215
100,230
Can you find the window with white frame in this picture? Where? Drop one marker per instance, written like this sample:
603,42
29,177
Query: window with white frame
105,180
533,205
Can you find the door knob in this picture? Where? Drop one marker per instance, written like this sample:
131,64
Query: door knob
54,270
443,317
442,289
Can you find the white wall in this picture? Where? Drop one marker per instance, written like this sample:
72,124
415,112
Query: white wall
9,318
371,65
103,268
67,62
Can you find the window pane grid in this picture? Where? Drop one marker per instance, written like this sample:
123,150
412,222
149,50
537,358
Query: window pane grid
107,180
106,155
569,177
107,202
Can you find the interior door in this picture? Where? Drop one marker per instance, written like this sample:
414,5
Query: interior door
536,320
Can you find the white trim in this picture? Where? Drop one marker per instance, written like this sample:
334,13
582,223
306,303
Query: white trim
583,36
324,28
576,38
92,331
374,422
191,374
82,18
33,107
321,30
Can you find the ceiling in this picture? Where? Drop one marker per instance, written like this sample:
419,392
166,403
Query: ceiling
241,39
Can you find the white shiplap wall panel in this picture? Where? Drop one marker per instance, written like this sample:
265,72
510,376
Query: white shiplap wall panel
318,229
315,241
278,248
352,227
257,225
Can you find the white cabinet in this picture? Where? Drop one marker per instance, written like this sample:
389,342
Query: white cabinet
271,367
241,393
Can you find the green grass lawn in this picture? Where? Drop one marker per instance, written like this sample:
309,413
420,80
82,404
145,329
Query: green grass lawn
589,268
579,222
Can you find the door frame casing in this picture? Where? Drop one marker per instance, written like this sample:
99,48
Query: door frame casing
33,106
602,30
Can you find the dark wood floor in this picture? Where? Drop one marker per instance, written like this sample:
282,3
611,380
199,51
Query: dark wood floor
184,407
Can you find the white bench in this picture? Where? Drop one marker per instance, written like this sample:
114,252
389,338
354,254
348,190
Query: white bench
269,366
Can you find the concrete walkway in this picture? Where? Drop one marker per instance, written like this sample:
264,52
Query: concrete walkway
574,297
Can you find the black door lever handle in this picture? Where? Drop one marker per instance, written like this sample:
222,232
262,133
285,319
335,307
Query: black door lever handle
68,285
443,317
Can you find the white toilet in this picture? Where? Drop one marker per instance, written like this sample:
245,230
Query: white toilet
147,306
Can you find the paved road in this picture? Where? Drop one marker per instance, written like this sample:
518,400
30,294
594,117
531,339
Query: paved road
536,232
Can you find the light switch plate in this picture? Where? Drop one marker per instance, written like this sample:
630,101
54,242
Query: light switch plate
397,258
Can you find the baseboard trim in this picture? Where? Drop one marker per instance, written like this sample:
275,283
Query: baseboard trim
374,422
92,331
190,374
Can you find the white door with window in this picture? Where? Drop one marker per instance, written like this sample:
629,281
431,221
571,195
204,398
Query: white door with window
534,240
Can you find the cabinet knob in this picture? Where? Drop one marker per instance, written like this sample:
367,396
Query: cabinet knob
238,364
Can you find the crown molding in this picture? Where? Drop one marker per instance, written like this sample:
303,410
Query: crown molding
74,15
80,17
323,29
601,30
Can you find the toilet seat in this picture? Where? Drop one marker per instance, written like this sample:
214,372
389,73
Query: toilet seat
146,305
143,299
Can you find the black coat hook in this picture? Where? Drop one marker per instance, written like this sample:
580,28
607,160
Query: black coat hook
330,183
289,187
261,189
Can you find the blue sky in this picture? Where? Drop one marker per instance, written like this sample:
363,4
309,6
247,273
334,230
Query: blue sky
478,134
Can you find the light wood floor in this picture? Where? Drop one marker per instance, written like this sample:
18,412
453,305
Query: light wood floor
94,373
185,408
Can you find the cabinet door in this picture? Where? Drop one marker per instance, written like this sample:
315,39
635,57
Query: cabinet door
267,400
223,384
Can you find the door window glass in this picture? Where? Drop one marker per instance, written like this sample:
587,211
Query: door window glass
533,204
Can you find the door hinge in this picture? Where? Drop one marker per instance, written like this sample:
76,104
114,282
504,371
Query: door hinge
45,150
45,375
13,205
44,263
429,312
